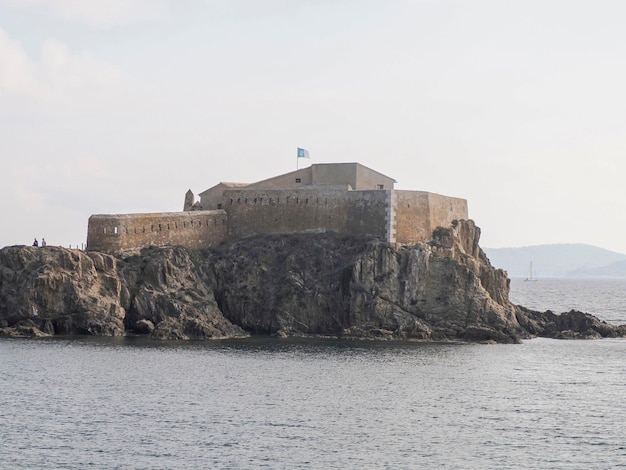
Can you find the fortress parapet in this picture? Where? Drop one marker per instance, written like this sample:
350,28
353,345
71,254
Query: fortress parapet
123,232
345,198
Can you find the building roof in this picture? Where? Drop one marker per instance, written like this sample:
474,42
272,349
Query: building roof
350,173
234,185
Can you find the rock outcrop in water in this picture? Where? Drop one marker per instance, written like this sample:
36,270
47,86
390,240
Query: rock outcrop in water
300,284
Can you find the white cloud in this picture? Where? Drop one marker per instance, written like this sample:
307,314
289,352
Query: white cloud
97,14
17,72
66,73
57,75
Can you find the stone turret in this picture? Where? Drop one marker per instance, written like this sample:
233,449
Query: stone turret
189,200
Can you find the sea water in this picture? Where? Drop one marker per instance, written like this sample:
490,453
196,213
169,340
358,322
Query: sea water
267,403
605,298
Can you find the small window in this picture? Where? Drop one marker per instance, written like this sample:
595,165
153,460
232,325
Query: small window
381,186
219,206
298,180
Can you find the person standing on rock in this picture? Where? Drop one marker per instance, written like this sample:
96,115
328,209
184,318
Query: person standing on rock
43,241
35,243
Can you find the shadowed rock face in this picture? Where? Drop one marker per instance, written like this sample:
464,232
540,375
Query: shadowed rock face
302,284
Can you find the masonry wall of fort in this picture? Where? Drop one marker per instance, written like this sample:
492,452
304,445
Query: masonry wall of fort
418,213
357,176
316,208
346,198
285,210
370,212
411,216
124,232
445,209
395,216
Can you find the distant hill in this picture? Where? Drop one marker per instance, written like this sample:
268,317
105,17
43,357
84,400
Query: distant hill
560,260
613,270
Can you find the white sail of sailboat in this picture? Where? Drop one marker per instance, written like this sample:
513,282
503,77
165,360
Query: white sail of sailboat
531,276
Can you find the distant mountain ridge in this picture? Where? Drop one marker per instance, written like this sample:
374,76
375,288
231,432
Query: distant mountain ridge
559,260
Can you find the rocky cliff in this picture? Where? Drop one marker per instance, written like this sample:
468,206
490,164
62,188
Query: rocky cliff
302,284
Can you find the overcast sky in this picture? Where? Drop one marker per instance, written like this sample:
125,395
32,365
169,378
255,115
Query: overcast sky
120,106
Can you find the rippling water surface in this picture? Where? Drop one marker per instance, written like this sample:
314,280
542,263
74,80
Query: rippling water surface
267,403
605,298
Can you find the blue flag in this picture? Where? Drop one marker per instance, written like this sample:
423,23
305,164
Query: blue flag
302,153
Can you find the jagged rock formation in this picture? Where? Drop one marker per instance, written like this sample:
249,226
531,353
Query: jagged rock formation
302,284
163,293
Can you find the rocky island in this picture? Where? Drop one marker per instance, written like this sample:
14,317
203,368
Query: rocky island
329,250
323,284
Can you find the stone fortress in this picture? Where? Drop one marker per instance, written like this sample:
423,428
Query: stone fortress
346,198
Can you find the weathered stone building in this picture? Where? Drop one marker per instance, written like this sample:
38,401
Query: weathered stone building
346,198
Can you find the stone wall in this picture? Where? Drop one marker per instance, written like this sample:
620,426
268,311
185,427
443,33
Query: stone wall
412,216
314,209
418,213
123,232
269,210
368,212
370,179
359,177
404,217
445,209
212,199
